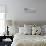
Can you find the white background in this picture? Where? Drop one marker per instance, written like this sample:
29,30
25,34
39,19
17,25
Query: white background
16,12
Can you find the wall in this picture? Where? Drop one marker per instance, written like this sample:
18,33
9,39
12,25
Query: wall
16,12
